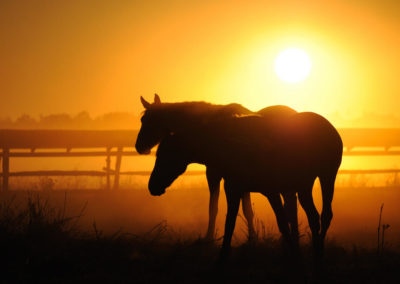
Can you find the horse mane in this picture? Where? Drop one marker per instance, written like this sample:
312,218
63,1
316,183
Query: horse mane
199,112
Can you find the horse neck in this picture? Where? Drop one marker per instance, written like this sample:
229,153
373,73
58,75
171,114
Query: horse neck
203,145
209,141
190,115
181,122
179,117
196,147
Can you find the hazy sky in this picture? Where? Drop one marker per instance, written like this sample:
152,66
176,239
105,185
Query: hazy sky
100,56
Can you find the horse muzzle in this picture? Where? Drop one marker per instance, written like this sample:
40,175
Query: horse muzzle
142,151
157,192
155,189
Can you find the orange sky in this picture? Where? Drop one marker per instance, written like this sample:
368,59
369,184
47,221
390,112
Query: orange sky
100,56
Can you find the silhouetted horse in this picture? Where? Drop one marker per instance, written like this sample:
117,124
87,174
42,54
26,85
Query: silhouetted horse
161,119
251,154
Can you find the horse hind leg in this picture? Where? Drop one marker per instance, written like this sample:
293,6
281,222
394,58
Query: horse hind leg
306,201
249,215
281,218
327,187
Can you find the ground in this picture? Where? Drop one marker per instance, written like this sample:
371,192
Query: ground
40,244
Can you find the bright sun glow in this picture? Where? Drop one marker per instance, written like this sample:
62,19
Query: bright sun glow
293,65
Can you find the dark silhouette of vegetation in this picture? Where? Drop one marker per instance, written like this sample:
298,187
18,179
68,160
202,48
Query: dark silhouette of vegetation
381,233
41,244
114,120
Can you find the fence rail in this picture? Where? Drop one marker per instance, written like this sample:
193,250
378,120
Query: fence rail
111,143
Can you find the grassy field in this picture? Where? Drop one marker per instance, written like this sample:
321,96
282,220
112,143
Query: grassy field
41,244
131,237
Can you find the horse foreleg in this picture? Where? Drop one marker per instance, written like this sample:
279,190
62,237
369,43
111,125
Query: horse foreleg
233,201
249,215
214,180
290,206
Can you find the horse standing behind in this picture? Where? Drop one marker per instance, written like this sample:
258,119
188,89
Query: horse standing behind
161,119
253,155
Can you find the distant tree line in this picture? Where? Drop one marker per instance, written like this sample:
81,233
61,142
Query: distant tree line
365,120
125,120
113,120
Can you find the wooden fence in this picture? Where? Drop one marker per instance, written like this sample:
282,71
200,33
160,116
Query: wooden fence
119,143
75,143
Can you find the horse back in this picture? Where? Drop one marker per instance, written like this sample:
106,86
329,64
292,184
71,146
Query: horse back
313,135
277,111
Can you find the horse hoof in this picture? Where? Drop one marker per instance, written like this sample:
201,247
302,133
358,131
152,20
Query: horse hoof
207,240
252,239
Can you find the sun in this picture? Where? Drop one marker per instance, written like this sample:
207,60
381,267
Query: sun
293,65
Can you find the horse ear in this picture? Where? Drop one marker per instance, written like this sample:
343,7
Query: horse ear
145,103
157,99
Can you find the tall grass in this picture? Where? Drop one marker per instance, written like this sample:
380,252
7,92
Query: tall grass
42,244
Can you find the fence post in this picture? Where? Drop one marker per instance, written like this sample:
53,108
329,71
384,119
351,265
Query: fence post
6,167
108,163
117,167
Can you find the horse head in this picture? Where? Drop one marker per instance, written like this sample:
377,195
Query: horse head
152,130
170,163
